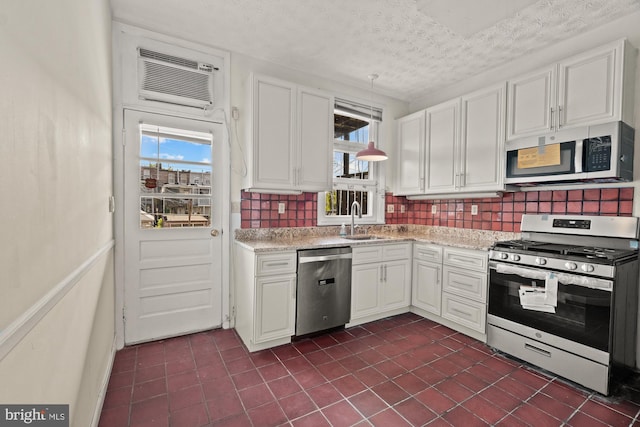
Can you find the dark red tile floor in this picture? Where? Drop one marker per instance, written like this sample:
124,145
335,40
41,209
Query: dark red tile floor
401,371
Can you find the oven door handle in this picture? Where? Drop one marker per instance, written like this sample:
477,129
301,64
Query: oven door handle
538,350
564,278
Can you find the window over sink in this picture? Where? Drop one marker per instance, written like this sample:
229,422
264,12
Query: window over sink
353,180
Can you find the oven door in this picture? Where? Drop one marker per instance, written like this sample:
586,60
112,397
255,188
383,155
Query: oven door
583,310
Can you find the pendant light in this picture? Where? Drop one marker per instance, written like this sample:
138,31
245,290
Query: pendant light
371,153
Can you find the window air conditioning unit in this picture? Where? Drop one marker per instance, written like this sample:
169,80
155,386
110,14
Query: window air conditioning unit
175,80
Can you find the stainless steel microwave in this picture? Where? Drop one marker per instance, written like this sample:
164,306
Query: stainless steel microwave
599,153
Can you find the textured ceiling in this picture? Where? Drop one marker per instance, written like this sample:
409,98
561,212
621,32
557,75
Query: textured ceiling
412,44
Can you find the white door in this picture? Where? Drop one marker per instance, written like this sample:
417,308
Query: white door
172,218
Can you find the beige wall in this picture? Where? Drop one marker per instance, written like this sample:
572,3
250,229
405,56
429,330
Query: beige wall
55,121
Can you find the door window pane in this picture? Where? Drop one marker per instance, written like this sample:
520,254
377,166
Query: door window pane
175,178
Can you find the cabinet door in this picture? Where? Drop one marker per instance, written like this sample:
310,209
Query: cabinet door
462,311
427,286
531,103
315,141
275,307
442,139
365,298
465,283
589,88
272,154
395,288
410,152
482,139
470,259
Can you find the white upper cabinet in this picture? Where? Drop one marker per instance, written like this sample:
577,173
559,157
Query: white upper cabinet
454,147
443,122
410,152
291,136
531,101
583,90
315,148
482,140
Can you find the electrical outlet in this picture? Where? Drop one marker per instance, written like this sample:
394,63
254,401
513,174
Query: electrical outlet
281,207
235,113
474,209
402,208
434,209
390,208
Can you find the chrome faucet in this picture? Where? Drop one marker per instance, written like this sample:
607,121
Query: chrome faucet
355,206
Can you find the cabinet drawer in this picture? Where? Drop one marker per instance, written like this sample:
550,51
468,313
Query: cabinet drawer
399,251
466,258
471,314
276,263
431,253
466,283
366,253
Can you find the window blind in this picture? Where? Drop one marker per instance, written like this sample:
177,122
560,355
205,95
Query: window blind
360,110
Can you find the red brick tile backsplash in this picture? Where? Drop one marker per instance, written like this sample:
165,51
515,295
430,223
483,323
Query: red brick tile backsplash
261,210
497,214
505,214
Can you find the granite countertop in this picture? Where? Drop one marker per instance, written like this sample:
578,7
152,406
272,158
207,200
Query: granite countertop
280,239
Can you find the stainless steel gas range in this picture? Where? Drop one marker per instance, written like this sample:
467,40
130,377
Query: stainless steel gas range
565,297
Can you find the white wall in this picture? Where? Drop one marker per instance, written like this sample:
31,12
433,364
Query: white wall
55,120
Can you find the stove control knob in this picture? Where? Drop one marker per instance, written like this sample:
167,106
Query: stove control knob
515,257
571,265
587,268
541,261
502,255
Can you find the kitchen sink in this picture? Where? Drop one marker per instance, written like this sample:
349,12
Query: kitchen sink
361,237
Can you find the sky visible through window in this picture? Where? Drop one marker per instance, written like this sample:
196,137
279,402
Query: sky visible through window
166,150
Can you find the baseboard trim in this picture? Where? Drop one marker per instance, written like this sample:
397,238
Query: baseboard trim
19,328
102,393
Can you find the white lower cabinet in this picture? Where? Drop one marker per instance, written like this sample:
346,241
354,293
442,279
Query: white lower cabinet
464,288
275,307
380,282
426,282
449,286
265,297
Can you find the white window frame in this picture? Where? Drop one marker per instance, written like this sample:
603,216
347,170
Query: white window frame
375,184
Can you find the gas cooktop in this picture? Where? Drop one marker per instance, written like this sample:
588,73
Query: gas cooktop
587,252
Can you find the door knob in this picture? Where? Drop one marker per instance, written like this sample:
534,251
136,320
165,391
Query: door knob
215,232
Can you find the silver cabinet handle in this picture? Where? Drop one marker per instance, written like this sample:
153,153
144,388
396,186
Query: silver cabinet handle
551,118
385,272
559,117
437,275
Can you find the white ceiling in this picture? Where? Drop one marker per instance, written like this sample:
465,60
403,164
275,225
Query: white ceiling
415,46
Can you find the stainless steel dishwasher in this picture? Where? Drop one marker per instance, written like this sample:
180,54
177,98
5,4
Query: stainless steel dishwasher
323,289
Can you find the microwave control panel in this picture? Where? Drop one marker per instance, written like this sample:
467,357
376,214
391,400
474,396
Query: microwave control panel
597,154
